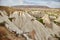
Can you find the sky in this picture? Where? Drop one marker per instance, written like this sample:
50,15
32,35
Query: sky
49,3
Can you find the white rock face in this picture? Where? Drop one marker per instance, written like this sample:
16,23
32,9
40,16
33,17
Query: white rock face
27,25
23,22
47,21
58,19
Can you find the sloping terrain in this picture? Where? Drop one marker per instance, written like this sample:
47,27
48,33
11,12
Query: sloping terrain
6,35
33,25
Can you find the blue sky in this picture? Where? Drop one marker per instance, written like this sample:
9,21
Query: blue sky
50,3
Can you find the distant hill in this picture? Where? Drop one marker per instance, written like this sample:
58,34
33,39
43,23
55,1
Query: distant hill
35,7
30,6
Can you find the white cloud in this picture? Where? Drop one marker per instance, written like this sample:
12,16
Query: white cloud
51,3
11,2
54,4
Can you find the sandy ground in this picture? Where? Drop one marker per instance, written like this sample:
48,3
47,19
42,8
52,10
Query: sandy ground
6,35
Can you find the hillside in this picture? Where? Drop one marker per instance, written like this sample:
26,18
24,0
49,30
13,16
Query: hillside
29,23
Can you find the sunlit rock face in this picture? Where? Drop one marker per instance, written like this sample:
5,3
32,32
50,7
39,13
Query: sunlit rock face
22,22
36,14
47,21
58,19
